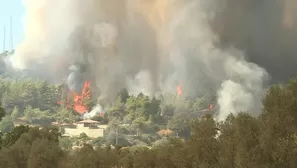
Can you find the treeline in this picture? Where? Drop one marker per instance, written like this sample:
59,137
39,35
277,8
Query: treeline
241,141
31,101
34,102
141,120
25,92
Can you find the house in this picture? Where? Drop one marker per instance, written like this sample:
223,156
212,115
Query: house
90,127
87,123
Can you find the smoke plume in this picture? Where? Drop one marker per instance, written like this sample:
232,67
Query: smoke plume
265,30
151,46
95,111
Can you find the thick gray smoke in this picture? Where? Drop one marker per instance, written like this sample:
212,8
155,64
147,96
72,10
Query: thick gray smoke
151,46
76,78
265,30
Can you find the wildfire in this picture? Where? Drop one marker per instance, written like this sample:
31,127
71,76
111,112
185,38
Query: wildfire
210,106
79,99
179,90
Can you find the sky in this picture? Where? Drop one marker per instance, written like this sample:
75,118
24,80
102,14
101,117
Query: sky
16,10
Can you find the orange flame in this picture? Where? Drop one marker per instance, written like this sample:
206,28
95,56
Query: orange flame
211,106
79,99
179,90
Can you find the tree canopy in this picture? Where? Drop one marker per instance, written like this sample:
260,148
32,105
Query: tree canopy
148,132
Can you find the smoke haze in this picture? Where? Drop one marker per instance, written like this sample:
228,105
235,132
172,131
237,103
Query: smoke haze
151,46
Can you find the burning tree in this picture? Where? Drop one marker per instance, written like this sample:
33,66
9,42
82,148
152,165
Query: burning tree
179,90
79,102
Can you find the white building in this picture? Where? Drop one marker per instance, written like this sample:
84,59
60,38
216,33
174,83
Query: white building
90,127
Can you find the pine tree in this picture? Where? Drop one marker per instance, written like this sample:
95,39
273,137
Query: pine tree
15,113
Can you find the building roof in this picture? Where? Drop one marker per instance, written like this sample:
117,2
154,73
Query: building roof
88,122
61,124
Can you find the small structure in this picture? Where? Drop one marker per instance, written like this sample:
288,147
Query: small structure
89,127
87,123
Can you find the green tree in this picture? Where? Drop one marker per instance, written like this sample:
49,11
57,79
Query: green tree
66,143
2,112
151,119
154,107
180,124
11,137
278,126
6,124
15,113
44,154
124,95
247,135
86,157
239,141
228,142
37,147
203,144
64,116
29,114
139,125
117,111
167,110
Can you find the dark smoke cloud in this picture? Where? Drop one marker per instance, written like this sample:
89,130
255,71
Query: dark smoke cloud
266,30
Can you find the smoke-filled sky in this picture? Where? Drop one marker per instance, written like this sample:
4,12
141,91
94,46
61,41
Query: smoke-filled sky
231,46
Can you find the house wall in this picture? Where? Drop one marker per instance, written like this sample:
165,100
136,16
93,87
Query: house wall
93,133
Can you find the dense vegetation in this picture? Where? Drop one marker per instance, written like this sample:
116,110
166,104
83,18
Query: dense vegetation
195,140
35,102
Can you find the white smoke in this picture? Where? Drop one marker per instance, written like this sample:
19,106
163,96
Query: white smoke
240,82
140,84
145,47
95,111
244,88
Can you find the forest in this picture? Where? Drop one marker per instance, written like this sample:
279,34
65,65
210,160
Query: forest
159,132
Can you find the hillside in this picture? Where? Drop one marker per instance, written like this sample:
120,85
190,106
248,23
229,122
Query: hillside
241,140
